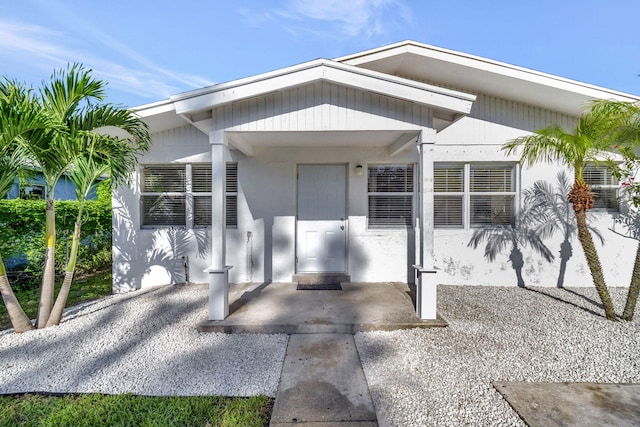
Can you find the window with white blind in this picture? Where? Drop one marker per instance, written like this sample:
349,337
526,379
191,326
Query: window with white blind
473,195
201,193
448,187
390,196
164,191
172,194
604,186
231,194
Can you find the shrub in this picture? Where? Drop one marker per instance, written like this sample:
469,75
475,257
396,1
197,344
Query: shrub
22,225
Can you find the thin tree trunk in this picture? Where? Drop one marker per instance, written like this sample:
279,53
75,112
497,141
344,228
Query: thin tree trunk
19,320
594,264
634,289
61,300
49,274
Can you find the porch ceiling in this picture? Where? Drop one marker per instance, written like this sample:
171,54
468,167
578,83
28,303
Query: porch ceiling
395,140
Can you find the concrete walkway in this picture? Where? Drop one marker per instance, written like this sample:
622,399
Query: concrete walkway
322,384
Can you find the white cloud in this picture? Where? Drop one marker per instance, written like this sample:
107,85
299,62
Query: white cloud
47,49
346,19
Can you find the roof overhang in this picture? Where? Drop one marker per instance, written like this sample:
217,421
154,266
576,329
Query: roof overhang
482,76
192,104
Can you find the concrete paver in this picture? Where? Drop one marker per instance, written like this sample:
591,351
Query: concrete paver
573,404
322,382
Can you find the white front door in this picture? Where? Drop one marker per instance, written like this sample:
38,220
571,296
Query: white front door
321,235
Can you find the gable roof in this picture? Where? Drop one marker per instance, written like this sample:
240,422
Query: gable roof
408,70
195,106
481,75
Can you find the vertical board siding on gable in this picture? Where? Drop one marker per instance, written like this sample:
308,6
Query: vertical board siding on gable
506,112
321,106
516,114
493,121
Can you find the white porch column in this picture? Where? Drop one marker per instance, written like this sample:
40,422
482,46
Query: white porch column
427,292
218,271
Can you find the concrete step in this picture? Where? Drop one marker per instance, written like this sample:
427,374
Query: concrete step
322,384
320,278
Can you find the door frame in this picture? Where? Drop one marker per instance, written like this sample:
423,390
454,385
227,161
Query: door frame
346,215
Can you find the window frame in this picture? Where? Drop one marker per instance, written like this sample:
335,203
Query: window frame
409,221
614,186
466,196
193,190
146,193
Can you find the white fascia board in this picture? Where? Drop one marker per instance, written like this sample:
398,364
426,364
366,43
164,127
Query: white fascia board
154,108
397,87
485,64
376,53
323,70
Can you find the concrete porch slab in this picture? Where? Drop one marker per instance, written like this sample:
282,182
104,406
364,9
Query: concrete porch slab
272,308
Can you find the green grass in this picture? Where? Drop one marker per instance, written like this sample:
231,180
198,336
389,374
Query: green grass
122,410
129,410
84,289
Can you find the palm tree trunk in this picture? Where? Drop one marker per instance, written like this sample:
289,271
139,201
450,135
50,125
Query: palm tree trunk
61,300
49,274
19,320
594,264
634,289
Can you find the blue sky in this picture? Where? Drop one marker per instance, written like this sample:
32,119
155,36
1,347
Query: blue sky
150,49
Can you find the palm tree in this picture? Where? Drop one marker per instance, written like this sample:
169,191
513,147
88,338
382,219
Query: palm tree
17,118
590,137
627,138
553,205
69,93
76,137
103,155
72,100
524,233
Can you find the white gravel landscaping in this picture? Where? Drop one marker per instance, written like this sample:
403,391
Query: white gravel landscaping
143,342
442,377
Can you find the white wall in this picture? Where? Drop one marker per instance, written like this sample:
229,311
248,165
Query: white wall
267,209
148,257
262,248
479,138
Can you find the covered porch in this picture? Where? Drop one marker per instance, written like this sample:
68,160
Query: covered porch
274,308
304,142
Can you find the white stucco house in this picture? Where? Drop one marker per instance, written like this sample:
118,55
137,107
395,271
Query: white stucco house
378,165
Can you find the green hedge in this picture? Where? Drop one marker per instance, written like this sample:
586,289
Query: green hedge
22,226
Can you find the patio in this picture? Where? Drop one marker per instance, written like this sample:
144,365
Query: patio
271,308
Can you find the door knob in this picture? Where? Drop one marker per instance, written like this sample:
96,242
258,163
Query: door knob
342,227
